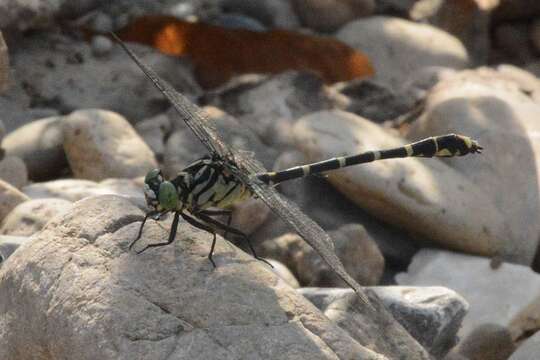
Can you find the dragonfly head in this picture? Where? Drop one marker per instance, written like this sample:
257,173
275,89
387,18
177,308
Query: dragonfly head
159,193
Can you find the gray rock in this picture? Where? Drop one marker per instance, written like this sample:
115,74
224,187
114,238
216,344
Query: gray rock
23,15
31,216
166,302
485,104
358,252
399,47
489,341
76,189
529,349
8,245
4,66
101,144
512,41
101,45
9,198
496,296
432,315
249,215
327,16
284,273
516,10
238,21
272,13
40,145
13,171
425,196
535,34
154,131
269,105
69,77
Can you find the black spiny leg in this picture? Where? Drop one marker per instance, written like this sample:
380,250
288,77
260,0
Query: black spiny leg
149,214
199,225
204,216
172,234
225,212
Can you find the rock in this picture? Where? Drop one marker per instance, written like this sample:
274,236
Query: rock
327,16
496,296
528,350
76,189
512,41
154,131
9,198
30,216
101,45
239,21
13,171
398,7
8,245
269,105
432,315
39,144
4,66
272,13
468,20
24,15
69,77
358,252
164,302
249,215
183,147
284,273
425,196
489,341
400,47
101,144
485,104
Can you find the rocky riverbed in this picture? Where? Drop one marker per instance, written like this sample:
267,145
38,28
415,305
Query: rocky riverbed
448,246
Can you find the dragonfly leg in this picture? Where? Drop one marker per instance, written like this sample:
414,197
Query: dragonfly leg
199,225
233,231
150,214
226,212
172,235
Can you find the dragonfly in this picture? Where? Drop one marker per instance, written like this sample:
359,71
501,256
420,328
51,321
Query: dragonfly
226,176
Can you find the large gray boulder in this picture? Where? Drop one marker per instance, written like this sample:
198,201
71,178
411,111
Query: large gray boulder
76,289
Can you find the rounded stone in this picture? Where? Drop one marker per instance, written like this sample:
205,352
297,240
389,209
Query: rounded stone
13,170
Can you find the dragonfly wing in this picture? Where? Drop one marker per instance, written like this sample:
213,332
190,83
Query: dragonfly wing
309,230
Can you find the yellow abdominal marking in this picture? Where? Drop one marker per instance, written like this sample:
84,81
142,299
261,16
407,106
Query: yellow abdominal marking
409,149
376,155
444,153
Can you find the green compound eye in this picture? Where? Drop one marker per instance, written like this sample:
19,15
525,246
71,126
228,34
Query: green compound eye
152,176
168,196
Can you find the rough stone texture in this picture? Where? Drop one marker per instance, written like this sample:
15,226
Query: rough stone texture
13,170
22,15
496,296
9,198
76,289
529,349
8,245
399,47
358,253
432,315
269,105
30,216
284,273
4,65
69,77
489,341
493,107
101,144
154,131
39,144
424,196
326,16
76,189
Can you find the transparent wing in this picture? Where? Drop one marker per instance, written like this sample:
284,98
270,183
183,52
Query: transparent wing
194,117
308,229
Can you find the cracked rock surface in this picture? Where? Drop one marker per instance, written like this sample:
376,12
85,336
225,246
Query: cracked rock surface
76,289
